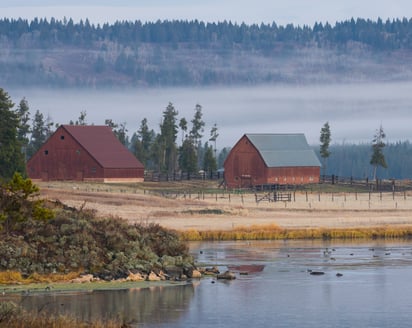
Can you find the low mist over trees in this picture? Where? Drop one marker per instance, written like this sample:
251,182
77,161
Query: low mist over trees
180,144
64,53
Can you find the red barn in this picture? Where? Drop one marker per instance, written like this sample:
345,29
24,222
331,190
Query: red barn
84,153
259,159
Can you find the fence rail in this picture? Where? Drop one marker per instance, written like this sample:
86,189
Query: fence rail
366,184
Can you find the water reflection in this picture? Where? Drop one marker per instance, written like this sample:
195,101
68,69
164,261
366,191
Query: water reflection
372,289
148,305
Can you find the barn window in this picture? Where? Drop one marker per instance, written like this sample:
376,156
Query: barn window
93,170
61,137
46,152
78,151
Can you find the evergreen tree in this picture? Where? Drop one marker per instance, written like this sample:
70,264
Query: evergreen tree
119,131
378,158
39,134
196,133
24,126
183,127
168,132
325,138
141,143
213,137
82,118
209,159
197,125
11,157
188,157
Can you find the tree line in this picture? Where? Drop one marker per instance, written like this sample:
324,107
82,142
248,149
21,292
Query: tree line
379,34
64,53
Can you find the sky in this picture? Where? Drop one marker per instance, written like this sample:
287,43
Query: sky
297,12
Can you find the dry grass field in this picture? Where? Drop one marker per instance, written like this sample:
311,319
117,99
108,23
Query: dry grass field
224,211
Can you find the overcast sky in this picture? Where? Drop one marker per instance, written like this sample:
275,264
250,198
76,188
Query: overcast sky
298,12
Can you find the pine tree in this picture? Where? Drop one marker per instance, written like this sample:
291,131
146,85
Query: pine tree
142,142
209,160
11,156
168,132
196,133
378,158
39,134
188,157
24,126
213,136
325,138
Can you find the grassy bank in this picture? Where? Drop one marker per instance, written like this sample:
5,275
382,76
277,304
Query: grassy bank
273,232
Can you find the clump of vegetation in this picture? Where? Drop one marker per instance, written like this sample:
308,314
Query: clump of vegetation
12,316
41,238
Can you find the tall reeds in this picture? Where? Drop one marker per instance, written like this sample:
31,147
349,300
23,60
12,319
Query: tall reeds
273,232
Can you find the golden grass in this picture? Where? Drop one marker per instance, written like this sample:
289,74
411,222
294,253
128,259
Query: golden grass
273,232
14,277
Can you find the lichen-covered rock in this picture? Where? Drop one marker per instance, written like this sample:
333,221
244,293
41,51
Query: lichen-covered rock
228,275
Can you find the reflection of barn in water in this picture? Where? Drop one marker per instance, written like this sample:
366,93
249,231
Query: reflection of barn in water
271,159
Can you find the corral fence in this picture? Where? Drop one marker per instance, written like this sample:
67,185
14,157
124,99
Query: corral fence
182,176
384,185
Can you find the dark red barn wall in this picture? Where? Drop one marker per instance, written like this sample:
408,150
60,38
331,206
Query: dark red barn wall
244,166
63,158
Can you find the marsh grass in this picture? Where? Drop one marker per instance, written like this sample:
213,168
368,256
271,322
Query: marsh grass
15,277
12,316
274,232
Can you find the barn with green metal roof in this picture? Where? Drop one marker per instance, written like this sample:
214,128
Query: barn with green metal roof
274,159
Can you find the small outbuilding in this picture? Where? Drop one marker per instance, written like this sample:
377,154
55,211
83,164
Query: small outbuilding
271,159
84,153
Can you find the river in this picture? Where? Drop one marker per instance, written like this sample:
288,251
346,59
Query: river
363,284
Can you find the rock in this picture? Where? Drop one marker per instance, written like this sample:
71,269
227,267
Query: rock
153,277
135,277
228,275
196,274
163,276
211,271
174,272
317,273
83,279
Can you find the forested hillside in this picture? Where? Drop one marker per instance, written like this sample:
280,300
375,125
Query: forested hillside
64,53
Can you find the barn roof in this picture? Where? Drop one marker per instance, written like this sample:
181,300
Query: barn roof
103,146
284,150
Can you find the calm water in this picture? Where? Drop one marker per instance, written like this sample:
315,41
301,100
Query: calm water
375,289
